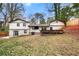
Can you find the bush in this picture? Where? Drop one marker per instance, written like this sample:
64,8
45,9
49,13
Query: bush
4,29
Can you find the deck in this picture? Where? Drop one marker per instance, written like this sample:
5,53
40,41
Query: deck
52,31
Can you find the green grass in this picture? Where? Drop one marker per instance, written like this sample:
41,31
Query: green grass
56,44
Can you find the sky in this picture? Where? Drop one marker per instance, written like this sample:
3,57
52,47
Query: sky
32,8
35,7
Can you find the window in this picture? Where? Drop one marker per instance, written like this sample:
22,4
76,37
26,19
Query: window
25,31
36,27
24,24
18,24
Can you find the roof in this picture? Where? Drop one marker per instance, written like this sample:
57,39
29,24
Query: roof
19,19
43,25
40,25
56,20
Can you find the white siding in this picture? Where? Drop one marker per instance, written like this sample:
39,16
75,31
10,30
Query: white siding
10,33
48,28
20,32
57,25
13,27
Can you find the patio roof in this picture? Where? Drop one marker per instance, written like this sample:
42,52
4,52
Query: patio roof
40,25
19,19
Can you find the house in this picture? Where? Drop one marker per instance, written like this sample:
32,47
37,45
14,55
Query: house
54,26
36,28
21,27
18,27
73,21
73,24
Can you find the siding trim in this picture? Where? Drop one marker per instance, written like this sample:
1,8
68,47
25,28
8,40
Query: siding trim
18,29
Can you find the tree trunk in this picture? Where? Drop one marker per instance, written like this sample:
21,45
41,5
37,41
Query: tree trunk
55,8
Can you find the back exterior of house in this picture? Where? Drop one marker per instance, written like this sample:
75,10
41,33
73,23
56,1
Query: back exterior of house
18,27
55,26
21,27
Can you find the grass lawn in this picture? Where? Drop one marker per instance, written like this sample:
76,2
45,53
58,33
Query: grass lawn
55,44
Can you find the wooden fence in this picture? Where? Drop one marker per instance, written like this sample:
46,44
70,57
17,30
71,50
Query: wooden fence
2,34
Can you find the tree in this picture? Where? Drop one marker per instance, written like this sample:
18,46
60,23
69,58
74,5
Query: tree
50,19
0,6
55,7
75,9
55,10
33,21
61,13
66,14
38,16
11,10
15,10
42,21
4,13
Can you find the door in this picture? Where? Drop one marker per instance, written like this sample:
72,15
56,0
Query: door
15,33
32,33
51,28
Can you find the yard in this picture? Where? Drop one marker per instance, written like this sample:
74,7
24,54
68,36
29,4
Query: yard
55,44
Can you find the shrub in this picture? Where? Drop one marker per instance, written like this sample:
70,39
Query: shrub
4,29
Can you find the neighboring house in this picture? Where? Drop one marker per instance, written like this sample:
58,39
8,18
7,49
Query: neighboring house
73,24
21,27
18,27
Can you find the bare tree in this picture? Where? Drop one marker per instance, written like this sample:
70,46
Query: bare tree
11,10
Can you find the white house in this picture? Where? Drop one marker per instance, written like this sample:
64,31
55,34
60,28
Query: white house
56,25
18,27
36,28
21,27
53,26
